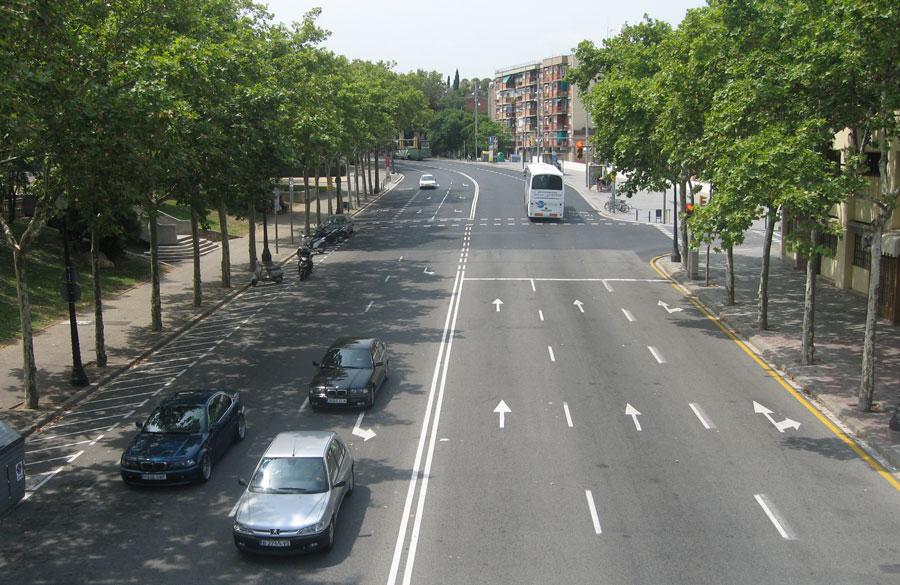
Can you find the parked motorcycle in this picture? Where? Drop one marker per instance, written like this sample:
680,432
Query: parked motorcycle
267,271
304,262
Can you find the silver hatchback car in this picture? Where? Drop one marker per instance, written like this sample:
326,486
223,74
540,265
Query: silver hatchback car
292,501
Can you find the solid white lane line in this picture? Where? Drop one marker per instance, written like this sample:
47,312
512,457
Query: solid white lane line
702,416
770,511
656,354
628,315
568,414
552,357
420,449
593,508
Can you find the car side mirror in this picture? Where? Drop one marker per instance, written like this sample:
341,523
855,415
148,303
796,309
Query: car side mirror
242,481
340,484
379,364
315,363
139,424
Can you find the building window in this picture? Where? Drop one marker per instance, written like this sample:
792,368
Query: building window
830,242
861,250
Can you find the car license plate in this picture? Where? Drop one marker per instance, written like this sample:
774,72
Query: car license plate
275,543
337,401
153,476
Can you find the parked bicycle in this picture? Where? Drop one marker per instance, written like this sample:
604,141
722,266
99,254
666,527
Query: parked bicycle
614,205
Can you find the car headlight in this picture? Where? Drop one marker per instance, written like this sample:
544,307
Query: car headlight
313,528
128,461
182,464
241,529
359,391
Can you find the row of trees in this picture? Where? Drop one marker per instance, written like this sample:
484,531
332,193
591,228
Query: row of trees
778,104
107,106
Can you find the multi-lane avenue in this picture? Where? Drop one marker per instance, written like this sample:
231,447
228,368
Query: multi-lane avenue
557,412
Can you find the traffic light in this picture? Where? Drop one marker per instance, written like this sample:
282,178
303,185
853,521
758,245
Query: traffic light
580,150
688,210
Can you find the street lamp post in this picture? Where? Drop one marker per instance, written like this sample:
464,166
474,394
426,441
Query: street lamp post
71,293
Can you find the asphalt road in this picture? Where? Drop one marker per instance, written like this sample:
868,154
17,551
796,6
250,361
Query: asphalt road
557,412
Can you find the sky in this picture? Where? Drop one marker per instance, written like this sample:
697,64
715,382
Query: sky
475,38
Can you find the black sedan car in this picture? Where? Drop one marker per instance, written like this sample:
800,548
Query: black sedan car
183,437
350,374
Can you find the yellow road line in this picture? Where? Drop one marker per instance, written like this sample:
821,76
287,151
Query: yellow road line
800,398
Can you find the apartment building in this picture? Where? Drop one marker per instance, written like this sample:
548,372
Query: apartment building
544,115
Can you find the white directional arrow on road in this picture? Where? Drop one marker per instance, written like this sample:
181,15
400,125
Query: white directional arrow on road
366,434
502,409
579,304
633,413
497,303
781,426
666,307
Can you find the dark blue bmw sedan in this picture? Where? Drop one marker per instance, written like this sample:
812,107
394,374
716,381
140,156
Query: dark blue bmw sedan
183,437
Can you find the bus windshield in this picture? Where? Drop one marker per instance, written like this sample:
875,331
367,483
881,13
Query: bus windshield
553,182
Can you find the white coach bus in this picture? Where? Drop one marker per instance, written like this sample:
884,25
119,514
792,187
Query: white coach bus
544,191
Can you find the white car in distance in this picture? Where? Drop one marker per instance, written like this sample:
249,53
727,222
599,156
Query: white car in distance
427,182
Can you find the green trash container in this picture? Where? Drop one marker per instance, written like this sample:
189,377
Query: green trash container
501,157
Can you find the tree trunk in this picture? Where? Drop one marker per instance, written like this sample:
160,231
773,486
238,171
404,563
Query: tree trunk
195,248
707,264
808,343
99,336
306,199
28,364
867,380
377,183
155,300
365,179
729,276
318,200
226,248
762,307
251,216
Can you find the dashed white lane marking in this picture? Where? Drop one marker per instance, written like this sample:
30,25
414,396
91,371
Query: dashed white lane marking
568,414
656,354
593,508
552,357
702,416
772,513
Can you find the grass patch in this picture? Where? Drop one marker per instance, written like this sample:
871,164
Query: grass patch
44,269
236,227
